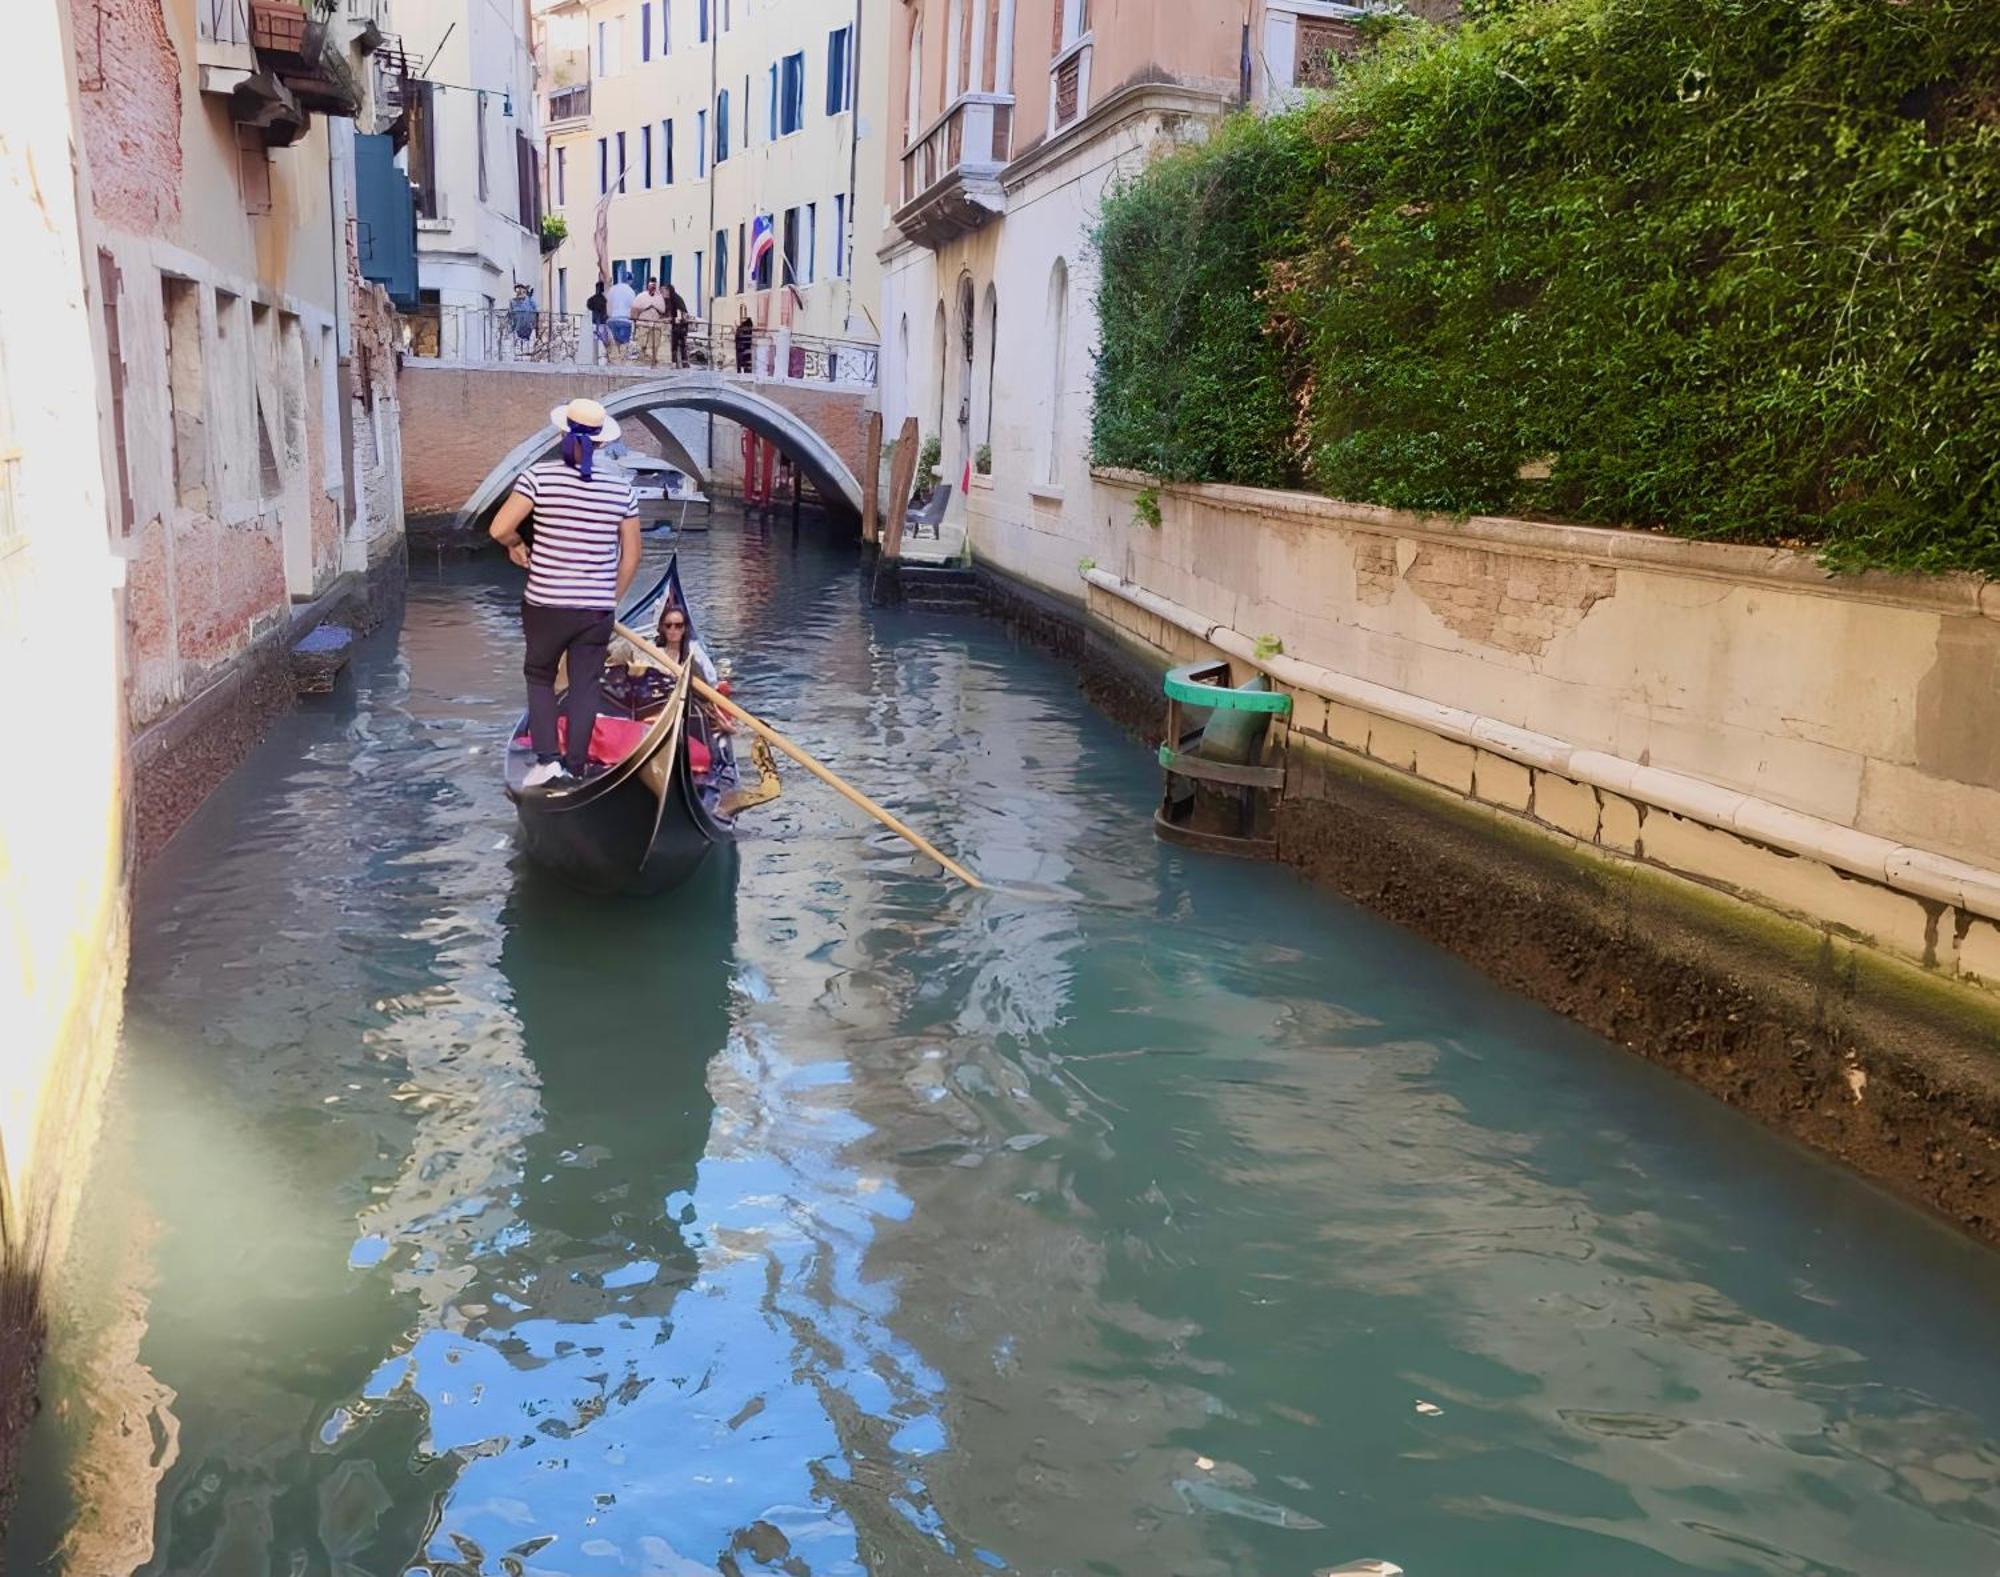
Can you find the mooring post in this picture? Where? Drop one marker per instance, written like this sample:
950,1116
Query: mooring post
871,478
902,477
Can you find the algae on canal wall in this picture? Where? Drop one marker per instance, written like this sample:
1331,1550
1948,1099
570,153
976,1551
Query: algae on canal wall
1868,1058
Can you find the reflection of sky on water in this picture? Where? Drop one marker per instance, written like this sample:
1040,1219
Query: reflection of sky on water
659,1442
1111,1220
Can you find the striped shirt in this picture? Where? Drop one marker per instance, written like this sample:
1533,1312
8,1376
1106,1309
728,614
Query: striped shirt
574,561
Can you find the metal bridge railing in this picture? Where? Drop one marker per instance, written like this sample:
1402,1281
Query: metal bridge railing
497,336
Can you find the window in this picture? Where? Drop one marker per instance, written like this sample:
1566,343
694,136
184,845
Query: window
562,177
721,264
742,253
839,90
527,184
180,300
1057,339
954,42
792,91
700,143
479,121
638,271
722,126
646,30
701,21
913,94
666,153
264,399
618,174
771,102
666,270
562,291
726,15
235,404
840,235
646,157
666,27
699,280
812,242
108,280
1072,22
603,166
791,275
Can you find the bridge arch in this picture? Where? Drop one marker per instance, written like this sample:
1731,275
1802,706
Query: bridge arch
718,394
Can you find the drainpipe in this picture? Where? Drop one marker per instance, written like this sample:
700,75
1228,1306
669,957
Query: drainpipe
706,158
853,162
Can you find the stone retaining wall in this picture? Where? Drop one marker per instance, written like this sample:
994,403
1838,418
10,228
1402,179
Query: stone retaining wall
1871,702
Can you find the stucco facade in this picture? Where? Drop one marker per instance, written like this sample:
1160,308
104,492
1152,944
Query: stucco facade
474,159
696,117
1011,123
62,825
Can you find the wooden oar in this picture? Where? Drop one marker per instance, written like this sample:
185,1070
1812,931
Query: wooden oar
852,795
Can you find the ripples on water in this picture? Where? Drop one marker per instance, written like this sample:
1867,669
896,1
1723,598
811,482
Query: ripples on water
1150,1214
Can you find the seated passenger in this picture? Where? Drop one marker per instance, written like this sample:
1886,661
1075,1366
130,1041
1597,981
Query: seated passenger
674,641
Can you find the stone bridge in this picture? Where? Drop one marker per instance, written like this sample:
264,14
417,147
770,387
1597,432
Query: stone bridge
469,429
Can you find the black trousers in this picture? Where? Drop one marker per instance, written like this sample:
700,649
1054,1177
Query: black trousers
585,635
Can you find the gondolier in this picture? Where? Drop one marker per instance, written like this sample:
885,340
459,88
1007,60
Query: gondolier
584,554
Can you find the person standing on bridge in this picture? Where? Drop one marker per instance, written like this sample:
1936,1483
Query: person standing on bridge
585,552
600,327
618,308
677,324
649,318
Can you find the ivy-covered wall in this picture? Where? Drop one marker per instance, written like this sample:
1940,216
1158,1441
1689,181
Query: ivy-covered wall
1725,268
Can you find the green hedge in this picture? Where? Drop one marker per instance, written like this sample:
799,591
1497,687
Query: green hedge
1732,267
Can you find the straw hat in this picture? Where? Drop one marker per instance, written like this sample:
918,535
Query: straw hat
585,413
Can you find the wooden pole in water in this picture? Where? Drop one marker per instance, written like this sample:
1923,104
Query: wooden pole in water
902,477
853,795
871,478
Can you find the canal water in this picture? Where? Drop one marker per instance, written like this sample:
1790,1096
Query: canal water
1149,1214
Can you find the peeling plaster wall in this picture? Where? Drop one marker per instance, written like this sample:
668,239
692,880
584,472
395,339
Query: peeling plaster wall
1872,702
221,546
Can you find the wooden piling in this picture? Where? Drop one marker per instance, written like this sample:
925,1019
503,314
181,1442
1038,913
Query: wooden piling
871,478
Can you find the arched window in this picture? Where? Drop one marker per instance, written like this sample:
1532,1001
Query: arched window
913,105
941,338
992,316
1057,340
968,350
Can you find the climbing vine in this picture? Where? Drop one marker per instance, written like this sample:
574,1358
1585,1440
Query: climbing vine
1725,268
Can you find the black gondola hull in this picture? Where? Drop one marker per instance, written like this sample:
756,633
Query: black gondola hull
640,829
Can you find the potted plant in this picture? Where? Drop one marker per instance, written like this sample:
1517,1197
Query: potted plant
555,230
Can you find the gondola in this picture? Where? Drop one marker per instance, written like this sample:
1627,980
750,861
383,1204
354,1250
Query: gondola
644,824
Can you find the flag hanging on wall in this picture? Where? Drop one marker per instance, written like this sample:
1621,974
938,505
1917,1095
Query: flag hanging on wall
763,237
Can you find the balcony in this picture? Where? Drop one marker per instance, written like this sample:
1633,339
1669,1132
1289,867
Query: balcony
569,104
951,174
299,50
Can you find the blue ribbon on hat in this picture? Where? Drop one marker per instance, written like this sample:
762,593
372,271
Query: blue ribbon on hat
579,447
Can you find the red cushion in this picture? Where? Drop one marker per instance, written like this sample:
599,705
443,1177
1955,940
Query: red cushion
611,741
615,738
